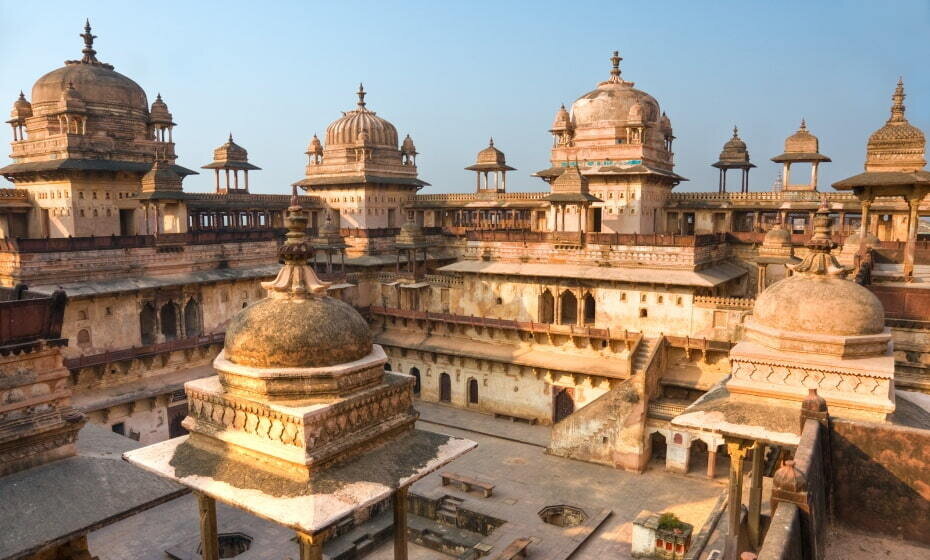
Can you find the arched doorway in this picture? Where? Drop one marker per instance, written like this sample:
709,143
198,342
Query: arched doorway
445,388
658,444
387,366
192,324
169,321
546,307
472,391
697,456
416,380
147,324
589,309
563,403
568,306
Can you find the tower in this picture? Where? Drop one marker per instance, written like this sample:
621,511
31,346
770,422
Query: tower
231,157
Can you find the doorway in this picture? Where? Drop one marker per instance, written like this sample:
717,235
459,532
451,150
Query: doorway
563,403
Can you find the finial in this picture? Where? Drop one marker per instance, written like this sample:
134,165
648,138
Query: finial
897,102
158,96
230,138
491,142
294,200
22,95
615,70
735,131
296,279
88,51
361,96
819,261
562,106
803,124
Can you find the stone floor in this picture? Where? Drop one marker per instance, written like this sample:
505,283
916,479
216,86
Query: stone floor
845,544
525,478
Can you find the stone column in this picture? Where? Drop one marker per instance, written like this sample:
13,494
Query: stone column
737,449
910,249
310,545
209,539
711,463
755,495
400,523
864,225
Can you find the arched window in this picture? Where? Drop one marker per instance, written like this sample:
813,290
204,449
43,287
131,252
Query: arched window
568,304
387,366
546,307
563,404
147,323
169,321
192,323
83,338
445,388
472,391
589,309
416,380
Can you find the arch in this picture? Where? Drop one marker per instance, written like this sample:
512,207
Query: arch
563,403
416,380
147,324
568,307
698,456
168,317
546,307
387,366
589,309
192,318
83,338
472,391
658,444
445,387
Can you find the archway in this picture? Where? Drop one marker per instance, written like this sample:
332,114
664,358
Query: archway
546,307
445,388
589,309
147,324
416,380
563,404
697,457
387,366
192,324
568,305
659,446
83,338
169,321
472,391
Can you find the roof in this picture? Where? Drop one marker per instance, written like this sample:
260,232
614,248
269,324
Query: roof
70,497
72,164
117,285
707,277
638,169
800,156
490,167
229,164
313,181
572,197
884,179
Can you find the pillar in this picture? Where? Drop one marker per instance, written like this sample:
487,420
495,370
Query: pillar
209,541
310,546
864,225
737,450
711,463
400,523
755,496
913,202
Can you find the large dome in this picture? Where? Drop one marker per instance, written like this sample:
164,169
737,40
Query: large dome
361,126
614,103
96,84
820,305
313,332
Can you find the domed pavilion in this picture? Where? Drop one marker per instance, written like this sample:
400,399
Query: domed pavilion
301,425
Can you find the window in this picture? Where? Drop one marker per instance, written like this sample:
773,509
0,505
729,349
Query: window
622,296
473,391
83,338
119,428
642,298
660,299
108,312
568,304
678,300
643,312
82,315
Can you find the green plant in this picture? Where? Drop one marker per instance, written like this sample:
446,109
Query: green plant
669,522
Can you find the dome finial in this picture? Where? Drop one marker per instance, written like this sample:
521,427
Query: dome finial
803,124
361,96
615,67
230,138
491,142
88,51
897,102
296,279
819,260
735,131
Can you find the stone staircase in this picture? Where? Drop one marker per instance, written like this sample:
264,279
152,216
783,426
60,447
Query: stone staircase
642,354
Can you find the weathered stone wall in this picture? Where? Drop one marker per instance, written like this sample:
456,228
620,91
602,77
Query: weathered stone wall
881,481
783,541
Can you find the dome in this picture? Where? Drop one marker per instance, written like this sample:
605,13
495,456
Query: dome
408,146
349,128
312,332
491,155
777,237
71,100
159,114
562,119
614,102
22,109
97,82
315,147
898,145
802,141
820,305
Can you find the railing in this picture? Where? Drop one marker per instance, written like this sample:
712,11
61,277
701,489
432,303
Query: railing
468,197
691,343
526,326
14,194
785,196
742,303
623,239
144,351
95,243
28,318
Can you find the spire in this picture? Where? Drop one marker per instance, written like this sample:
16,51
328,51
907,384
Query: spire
897,103
158,96
230,138
361,96
819,260
615,69
491,142
90,55
803,124
296,279
735,131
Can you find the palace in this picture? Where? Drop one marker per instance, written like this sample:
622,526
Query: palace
639,322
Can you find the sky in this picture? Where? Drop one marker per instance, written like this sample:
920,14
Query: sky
452,74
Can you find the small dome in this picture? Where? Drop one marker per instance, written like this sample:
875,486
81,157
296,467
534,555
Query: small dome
789,479
159,114
613,102
899,145
852,240
230,151
777,237
802,141
408,146
315,147
491,155
313,332
22,109
346,130
665,123
562,119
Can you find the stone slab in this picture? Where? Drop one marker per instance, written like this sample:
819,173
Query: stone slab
312,507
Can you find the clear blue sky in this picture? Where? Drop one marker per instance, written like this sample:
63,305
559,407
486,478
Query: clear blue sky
453,73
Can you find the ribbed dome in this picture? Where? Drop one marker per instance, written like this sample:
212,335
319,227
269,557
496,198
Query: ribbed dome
363,123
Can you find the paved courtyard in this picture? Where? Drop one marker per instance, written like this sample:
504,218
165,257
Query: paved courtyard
525,479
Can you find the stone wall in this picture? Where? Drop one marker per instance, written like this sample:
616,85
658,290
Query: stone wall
881,481
783,541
